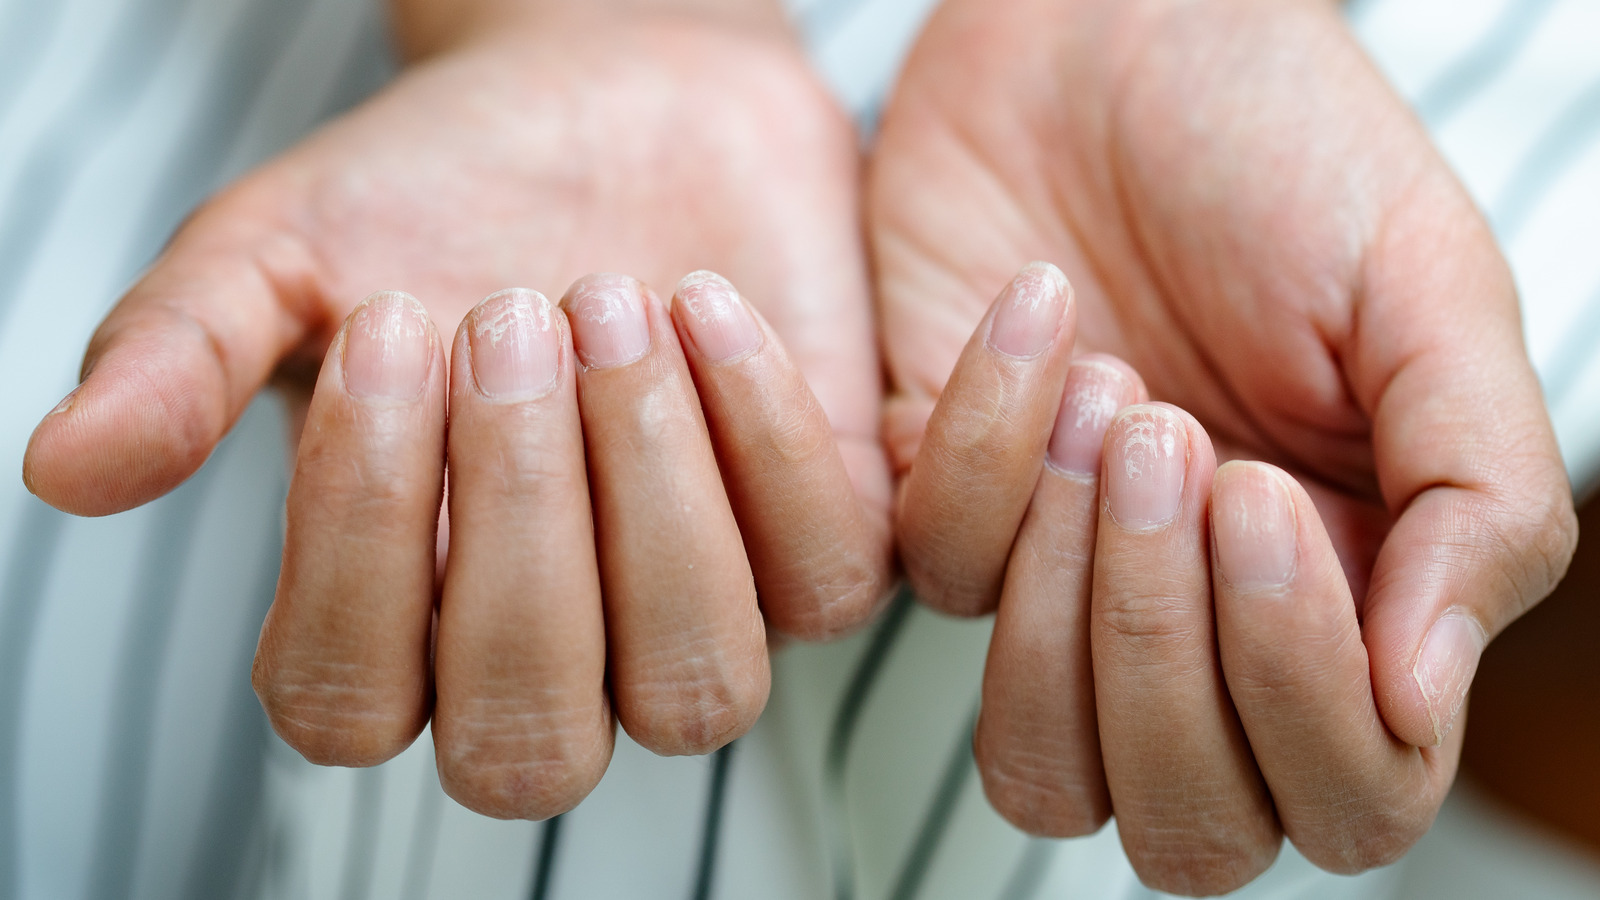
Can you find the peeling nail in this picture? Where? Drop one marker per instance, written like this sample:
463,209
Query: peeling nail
388,348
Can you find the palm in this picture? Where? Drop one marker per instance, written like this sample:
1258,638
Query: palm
650,149
1219,209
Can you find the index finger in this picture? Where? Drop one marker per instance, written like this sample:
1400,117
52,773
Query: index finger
1466,458
971,481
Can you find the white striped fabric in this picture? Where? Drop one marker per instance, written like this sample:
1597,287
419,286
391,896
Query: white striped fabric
133,758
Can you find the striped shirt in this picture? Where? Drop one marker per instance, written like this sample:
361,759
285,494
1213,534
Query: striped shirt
134,759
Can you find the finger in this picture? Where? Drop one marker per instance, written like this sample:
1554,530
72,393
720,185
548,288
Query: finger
1193,813
522,726
1037,741
1466,459
173,365
970,483
1349,794
689,669
821,563
342,666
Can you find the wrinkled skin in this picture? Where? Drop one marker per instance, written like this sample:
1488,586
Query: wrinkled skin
1256,223
582,141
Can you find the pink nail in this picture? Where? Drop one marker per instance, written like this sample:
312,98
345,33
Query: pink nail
1445,666
1094,393
1149,453
609,327
388,348
719,323
1255,526
1029,312
516,346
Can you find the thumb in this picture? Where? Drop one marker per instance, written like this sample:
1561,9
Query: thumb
174,364
1467,459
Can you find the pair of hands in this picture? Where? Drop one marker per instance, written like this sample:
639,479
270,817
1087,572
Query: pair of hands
1251,220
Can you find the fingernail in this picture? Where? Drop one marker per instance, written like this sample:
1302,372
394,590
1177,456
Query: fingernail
1094,393
516,346
388,349
609,328
719,323
1255,525
66,403
1030,311
1445,666
1144,476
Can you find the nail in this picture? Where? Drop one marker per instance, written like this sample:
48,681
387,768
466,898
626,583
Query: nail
1445,666
1256,532
66,403
1029,312
1149,449
388,348
609,327
719,323
516,346
1094,393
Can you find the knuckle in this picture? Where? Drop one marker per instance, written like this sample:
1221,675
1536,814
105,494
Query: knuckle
953,590
332,722
1194,865
1289,676
1160,620
1372,838
696,706
843,598
1540,529
1039,794
503,761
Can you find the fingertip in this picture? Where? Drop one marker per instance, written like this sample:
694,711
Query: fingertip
130,433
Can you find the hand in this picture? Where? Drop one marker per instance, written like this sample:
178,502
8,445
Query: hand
1258,226
584,141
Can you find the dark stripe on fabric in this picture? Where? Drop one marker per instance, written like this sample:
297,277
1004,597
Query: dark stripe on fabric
137,680
1558,149
1028,876
27,571
361,842
145,32
958,769
424,835
1482,63
544,868
24,36
711,830
234,808
859,688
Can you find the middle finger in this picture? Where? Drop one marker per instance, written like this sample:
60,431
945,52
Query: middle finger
1194,815
689,668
